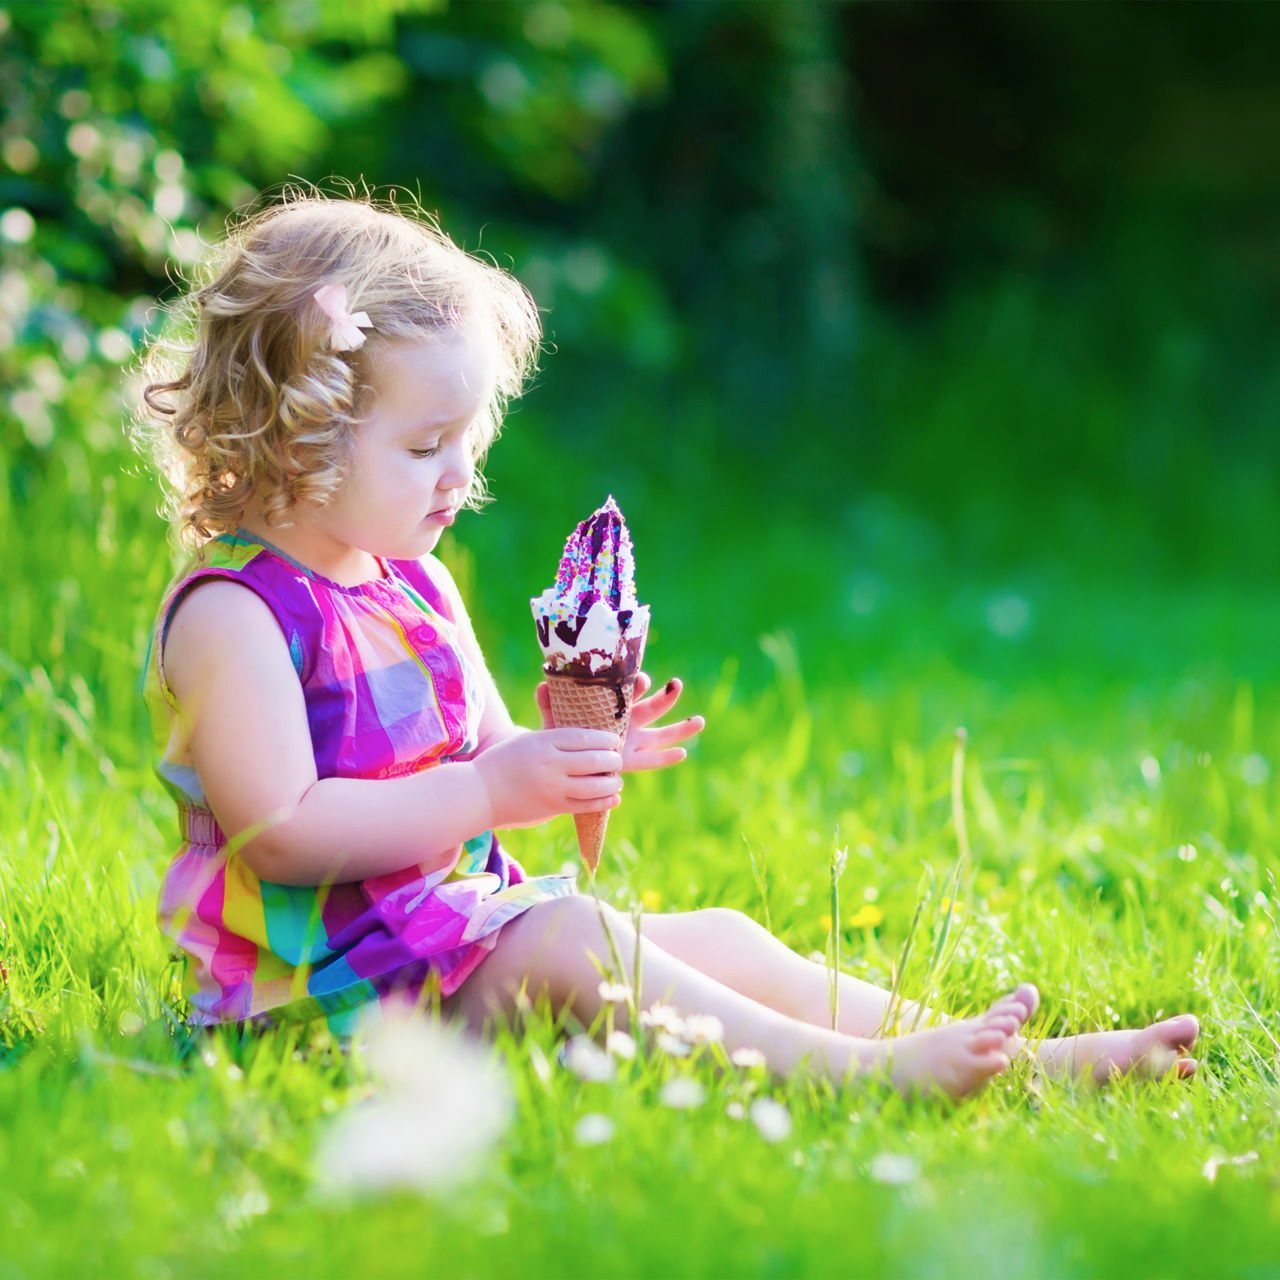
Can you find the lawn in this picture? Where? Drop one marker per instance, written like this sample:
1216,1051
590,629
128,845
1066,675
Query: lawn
1118,791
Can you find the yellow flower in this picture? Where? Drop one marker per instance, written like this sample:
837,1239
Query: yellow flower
956,907
825,923
651,900
867,916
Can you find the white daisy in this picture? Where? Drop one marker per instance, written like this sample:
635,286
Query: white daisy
442,1104
621,1045
664,1017
587,1060
683,1093
703,1028
673,1045
772,1119
895,1170
592,1130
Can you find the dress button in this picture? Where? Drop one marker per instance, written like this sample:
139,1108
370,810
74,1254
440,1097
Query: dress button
453,690
427,635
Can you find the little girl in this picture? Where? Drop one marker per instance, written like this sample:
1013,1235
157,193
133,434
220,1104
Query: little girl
338,751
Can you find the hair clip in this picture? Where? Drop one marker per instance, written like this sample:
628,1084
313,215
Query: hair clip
344,333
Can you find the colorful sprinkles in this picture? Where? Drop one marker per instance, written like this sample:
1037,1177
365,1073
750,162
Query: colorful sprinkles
598,563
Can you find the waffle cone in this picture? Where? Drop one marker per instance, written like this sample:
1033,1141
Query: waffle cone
592,702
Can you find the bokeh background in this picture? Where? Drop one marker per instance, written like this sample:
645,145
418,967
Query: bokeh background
930,350
907,328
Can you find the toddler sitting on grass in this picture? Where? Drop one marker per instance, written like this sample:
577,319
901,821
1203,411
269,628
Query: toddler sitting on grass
338,752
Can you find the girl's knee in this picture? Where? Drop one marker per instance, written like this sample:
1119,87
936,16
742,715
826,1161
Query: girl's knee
547,949
575,917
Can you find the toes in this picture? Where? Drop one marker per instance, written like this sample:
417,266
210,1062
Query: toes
986,1039
1006,1023
1180,1032
994,1062
1028,996
1021,1003
1185,1068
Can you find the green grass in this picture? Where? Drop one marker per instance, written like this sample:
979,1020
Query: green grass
834,682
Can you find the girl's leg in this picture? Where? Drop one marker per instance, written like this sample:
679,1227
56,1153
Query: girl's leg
1142,1051
553,948
739,952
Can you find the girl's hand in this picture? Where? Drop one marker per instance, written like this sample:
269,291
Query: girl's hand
537,774
646,748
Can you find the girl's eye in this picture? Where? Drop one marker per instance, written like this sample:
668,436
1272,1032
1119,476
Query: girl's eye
425,453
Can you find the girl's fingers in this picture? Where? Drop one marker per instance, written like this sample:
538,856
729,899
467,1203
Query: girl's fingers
585,763
595,787
652,708
640,761
569,739
594,806
542,695
669,734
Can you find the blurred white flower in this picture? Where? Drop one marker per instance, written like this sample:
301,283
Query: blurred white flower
894,1170
673,1045
746,1058
772,1119
621,1045
1214,1163
587,1060
683,1093
735,1111
664,1017
703,1028
615,992
592,1130
443,1104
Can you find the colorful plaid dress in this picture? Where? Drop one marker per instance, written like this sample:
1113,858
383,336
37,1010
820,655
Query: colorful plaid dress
388,692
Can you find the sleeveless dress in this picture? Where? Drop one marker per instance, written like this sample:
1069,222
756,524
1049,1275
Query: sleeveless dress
389,691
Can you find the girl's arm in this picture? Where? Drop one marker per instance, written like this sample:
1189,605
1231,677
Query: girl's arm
244,726
496,724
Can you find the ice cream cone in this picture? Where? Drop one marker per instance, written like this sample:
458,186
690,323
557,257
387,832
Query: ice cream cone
592,702
592,630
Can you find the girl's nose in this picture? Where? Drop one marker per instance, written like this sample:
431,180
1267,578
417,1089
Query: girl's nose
458,470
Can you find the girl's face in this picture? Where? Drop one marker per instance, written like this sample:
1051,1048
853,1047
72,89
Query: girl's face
412,464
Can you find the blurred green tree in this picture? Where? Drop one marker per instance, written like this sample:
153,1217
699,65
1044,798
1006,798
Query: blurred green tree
132,128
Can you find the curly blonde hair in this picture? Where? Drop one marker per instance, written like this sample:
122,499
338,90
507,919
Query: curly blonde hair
247,399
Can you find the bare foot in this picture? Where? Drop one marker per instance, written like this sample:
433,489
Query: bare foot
1147,1052
961,1057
